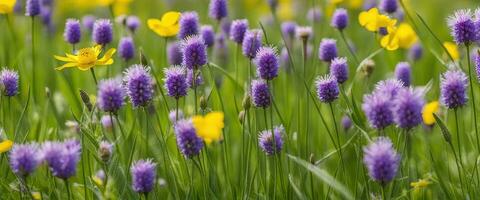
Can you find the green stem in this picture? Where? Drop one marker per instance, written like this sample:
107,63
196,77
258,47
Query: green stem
68,189
33,58
338,135
472,94
92,71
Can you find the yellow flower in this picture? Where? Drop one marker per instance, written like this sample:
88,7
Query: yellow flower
166,27
209,127
428,110
355,4
406,36
452,50
6,6
98,181
87,58
5,146
421,183
36,196
372,20
285,10
391,41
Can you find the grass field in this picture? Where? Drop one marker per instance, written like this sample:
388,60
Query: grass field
386,110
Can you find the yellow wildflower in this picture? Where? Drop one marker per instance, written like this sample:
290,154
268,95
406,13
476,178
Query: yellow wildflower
36,196
372,20
428,110
420,184
98,181
166,27
5,146
87,58
406,36
6,6
390,41
355,4
209,127
452,49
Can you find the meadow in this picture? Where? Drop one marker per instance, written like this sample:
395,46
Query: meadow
239,99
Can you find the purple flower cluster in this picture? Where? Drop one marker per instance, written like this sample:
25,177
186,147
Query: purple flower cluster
139,85
126,48
251,43
289,29
453,89
143,176
327,50
407,108
24,159
377,108
175,55
102,31
381,160
260,93
208,35
462,27
339,69
188,142
415,52
267,63
72,32
194,52
132,23
327,88
271,145
189,25
403,73
175,82
110,95
388,6
339,19
238,29
9,81
32,8
62,157
218,9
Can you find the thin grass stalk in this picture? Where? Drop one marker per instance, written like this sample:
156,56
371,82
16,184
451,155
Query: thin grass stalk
472,94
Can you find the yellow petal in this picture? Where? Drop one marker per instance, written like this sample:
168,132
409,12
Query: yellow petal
64,59
107,56
85,67
6,6
107,62
452,49
215,118
389,42
36,195
5,146
70,64
428,110
170,18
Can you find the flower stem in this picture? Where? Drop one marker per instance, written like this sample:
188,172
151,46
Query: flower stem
33,58
338,136
93,75
473,97
68,189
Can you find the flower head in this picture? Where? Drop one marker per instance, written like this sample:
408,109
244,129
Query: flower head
339,69
189,25
238,29
62,157
5,145
327,88
462,27
381,160
260,94
402,37
24,159
126,48
105,150
340,19
378,109
403,73
271,145
167,26
208,35
143,176
346,123
139,85
314,15
388,6
303,32
110,95
102,31
453,89
289,29
86,58
267,63
132,23
372,20
7,6
88,21
407,108
174,54
187,140
72,33
389,87
209,127
194,52
327,50
415,52
175,82
218,9
32,8
428,110
9,82
252,41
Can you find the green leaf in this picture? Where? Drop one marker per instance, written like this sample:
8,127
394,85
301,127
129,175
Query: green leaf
445,132
324,176
300,195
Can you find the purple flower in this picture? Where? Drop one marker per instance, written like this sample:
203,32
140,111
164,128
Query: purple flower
453,89
172,115
303,32
225,26
381,160
407,108
105,150
139,85
126,48
24,159
238,29
476,58
415,52
339,69
32,8
378,109
46,17
132,23
477,23
175,82
72,33
327,88
102,31
62,157
208,35
260,94
289,29
174,54
271,145
388,6
110,95
198,81
107,122
194,52
267,63
273,4
88,21
389,87
218,9
251,43
403,73
340,19
9,82
143,176
346,123
327,50
188,142
462,27
314,15
189,25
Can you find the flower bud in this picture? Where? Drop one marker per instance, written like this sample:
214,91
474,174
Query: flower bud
86,100
241,116
246,102
203,102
